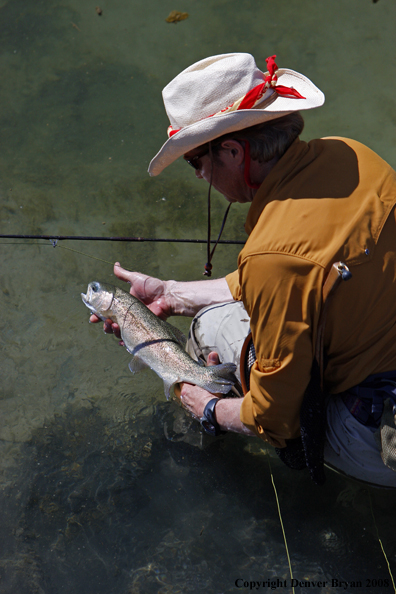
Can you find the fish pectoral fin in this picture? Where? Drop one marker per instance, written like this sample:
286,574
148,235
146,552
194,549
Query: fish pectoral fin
167,388
136,365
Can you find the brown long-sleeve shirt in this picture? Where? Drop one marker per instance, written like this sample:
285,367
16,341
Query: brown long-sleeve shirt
325,201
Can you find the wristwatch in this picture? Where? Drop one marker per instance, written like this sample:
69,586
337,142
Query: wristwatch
208,420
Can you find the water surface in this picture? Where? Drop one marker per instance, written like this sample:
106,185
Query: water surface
104,486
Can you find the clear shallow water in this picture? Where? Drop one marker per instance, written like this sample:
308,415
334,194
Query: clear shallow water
104,486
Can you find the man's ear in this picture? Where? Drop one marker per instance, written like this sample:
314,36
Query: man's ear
233,152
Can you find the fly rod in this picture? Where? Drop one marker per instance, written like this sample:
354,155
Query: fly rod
101,238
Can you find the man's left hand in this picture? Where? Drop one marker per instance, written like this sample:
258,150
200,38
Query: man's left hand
193,398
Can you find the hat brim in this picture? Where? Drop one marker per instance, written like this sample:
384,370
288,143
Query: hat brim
210,128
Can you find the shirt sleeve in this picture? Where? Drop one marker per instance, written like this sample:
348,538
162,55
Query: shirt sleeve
282,295
233,284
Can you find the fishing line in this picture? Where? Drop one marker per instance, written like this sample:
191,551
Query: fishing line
380,541
63,247
54,244
281,521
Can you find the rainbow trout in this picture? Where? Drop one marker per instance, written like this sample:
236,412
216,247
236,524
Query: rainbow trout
153,342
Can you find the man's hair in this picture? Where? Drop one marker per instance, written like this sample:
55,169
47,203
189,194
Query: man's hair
269,139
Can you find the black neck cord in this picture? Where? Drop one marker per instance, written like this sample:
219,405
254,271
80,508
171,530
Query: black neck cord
210,253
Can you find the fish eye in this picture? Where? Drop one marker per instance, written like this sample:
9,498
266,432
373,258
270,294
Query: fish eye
95,287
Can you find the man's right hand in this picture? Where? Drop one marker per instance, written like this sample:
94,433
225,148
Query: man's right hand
149,290
169,298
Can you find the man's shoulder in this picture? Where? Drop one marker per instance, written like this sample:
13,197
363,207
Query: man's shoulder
331,201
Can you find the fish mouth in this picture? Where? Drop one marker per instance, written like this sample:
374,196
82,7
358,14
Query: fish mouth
87,303
97,300
87,297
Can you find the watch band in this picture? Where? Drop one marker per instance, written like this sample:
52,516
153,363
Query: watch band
208,420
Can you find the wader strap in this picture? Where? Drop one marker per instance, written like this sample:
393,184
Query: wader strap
248,357
313,409
338,272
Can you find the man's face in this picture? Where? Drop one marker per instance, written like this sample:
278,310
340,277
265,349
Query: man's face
227,176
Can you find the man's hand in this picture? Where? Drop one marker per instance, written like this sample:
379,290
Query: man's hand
151,291
193,398
148,289
169,298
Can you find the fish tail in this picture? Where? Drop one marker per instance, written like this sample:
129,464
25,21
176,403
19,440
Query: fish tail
222,377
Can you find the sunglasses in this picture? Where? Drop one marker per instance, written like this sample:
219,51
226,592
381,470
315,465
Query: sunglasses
194,161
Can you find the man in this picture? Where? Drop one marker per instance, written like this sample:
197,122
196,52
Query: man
316,276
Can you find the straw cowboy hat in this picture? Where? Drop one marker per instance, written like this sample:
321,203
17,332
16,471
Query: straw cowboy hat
224,93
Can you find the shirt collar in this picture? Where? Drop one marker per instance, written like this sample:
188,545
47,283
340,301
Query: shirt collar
276,177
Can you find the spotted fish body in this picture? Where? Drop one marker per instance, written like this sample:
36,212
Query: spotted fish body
153,342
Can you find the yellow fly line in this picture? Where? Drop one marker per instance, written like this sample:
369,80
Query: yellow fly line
380,541
281,523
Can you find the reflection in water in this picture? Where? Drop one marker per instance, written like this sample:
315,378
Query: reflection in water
118,501
104,487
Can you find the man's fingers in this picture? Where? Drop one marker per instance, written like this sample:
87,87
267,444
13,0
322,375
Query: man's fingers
111,327
123,273
158,310
116,330
107,326
213,359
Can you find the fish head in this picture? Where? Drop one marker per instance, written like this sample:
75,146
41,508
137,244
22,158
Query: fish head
99,298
